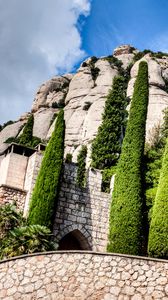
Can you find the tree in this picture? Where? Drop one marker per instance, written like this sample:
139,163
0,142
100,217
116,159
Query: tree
158,240
46,189
126,208
81,170
107,144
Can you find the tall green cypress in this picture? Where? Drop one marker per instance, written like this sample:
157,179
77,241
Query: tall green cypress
126,208
45,192
158,233
107,144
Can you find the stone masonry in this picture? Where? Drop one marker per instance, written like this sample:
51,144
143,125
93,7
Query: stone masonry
76,275
85,210
10,194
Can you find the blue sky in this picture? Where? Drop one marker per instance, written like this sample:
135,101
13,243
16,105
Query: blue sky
142,23
43,38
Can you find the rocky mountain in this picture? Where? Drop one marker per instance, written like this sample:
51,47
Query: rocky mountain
83,97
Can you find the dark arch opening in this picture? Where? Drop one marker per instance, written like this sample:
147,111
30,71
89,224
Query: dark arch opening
74,240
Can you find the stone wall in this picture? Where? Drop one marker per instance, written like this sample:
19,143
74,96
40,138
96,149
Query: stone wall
10,194
83,211
83,276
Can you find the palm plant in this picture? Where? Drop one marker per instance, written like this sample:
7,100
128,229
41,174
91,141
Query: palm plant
26,240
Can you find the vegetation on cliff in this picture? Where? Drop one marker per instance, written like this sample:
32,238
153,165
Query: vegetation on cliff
44,197
107,144
106,147
126,209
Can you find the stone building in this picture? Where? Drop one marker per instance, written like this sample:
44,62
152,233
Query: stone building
81,220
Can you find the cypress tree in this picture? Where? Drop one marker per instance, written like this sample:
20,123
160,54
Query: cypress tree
158,233
107,144
81,170
126,208
45,192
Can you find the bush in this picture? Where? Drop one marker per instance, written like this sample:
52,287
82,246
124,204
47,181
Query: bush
106,178
114,61
158,241
9,219
46,189
26,240
81,170
126,208
107,144
26,136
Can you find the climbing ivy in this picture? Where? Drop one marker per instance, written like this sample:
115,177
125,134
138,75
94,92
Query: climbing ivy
46,189
126,209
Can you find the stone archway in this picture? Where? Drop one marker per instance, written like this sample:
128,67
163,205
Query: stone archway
74,240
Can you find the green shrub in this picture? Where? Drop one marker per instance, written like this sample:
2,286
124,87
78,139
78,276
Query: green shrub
158,240
9,219
27,240
114,61
81,170
107,144
126,208
45,192
26,136
106,178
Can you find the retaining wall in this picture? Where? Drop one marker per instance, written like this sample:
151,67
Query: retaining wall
77,275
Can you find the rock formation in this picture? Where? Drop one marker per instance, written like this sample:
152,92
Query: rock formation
83,97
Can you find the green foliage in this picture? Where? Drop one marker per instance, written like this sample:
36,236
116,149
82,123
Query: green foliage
9,219
114,61
81,170
106,178
126,209
46,189
94,70
26,240
26,137
107,144
68,158
10,140
158,241
153,161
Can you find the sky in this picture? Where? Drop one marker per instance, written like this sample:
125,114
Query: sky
43,38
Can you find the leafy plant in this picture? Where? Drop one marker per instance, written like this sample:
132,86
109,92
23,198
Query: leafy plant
9,219
126,209
81,170
26,240
44,197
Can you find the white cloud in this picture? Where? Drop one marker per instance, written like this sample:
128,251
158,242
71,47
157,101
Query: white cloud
38,38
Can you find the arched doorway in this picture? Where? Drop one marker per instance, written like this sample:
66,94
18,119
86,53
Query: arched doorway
74,240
